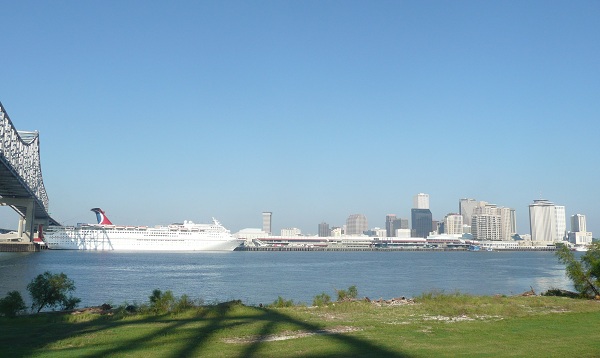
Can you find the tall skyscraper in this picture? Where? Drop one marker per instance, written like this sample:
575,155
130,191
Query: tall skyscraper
267,221
356,224
542,219
421,201
422,222
389,225
324,230
578,223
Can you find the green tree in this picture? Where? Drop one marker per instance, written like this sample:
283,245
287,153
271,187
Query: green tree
585,272
161,302
12,304
51,290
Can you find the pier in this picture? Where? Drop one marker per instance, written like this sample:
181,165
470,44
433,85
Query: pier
383,249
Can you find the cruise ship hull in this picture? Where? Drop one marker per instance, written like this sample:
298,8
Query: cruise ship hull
138,239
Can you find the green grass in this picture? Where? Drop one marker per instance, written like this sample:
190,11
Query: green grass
435,325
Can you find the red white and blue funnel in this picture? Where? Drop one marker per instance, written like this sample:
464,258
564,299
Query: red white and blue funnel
102,219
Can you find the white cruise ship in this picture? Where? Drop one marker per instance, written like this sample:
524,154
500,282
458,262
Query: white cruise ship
104,236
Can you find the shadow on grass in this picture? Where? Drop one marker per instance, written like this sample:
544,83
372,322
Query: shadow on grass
201,335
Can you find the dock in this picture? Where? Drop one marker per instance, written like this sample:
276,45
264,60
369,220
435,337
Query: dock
19,247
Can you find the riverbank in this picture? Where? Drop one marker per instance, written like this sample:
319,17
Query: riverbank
432,325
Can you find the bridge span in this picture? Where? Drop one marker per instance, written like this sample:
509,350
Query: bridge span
21,183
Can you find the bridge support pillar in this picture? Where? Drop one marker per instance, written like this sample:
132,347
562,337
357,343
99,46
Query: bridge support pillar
27,224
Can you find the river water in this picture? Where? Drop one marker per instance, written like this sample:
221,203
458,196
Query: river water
260,277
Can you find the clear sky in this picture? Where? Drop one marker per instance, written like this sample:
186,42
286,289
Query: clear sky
160,111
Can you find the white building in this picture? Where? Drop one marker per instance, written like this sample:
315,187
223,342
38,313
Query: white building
421,201
250,234
403,233
453,224
580,238
542,220
291,232
561,223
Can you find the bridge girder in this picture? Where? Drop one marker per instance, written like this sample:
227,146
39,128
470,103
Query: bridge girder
21,182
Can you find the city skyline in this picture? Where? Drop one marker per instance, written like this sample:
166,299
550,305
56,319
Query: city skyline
162,112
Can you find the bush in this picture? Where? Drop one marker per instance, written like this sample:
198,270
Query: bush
12,304
321,300
346,295
184,303
50,290
281,302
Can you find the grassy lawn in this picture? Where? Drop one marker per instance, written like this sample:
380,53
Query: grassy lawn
435,325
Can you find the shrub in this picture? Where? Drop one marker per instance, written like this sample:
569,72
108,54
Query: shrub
281,302
321,300
50,290
183,303
12,304
346,295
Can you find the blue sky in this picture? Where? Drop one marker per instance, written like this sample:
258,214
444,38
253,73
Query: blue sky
162,111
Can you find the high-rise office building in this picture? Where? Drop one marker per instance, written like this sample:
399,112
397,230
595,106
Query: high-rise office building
542,220
578,223
389,225
356,224
399,224
324,230
421,222
266,215
453,224
421,201
466,207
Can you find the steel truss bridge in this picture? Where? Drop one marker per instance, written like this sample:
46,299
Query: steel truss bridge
21,183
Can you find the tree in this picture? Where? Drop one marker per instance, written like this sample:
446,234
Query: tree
12,304
585,272
50,290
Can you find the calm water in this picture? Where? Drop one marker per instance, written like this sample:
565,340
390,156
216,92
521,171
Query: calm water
259,277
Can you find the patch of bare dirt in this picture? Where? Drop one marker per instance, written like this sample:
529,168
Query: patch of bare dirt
291,335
